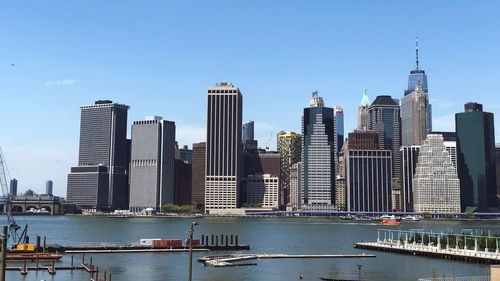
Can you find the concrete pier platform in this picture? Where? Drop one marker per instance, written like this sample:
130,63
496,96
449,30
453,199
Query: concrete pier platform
432,251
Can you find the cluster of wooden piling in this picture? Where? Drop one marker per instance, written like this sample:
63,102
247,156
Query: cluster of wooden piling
90,267
222,242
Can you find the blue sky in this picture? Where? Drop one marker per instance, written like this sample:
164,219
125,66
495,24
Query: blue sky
159,57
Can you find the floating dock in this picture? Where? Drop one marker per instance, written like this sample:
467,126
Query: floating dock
232,260
207,243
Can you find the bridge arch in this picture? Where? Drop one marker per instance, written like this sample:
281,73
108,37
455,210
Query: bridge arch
17,209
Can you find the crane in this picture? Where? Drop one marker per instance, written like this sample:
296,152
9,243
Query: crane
13,226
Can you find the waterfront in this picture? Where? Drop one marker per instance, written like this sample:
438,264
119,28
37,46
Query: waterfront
264,235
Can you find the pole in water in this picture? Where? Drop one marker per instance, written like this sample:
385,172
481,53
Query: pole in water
359,271
191,230
4,253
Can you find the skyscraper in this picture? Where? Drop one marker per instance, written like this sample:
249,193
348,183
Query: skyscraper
224,155
363,123
318,155
409,158
48,187
339,127
416,75
476,158
416,111
415,116
295,187
289,147
13,187
100,180
436,187
385,120
248,131
152,164
369,180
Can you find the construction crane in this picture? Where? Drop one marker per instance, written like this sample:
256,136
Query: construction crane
13,226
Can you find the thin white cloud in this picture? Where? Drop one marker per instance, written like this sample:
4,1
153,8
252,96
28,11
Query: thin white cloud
61,82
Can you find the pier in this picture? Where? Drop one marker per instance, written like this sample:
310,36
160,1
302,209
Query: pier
232,260
460,247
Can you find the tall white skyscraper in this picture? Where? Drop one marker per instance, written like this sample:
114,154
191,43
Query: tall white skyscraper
436,187
224,147
152,164
318,155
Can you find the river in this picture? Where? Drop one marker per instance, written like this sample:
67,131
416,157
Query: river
264,235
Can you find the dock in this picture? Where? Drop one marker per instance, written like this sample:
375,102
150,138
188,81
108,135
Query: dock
232,260
459,247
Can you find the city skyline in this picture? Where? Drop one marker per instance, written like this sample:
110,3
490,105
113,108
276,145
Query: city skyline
137,58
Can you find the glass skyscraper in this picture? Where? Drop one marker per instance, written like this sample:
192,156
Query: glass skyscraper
476,158
416,111
384,119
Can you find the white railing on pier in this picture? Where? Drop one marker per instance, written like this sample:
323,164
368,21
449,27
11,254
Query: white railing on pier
467,278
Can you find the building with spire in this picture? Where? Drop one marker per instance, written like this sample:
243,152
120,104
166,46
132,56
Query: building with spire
318,155
416,111
436,187
363,111
416,75
339,127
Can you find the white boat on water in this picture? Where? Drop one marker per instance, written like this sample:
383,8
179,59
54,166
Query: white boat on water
412,218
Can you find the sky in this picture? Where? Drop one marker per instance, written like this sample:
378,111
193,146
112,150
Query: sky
159,57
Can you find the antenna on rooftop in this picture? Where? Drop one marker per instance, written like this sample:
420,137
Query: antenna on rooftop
416,49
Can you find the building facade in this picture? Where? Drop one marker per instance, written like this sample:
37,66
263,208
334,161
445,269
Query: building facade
103,142
436,187
49,185
198,175
289,147
363,139
363,121
248,131
13,187
476,158
262,191
385,120
295,187
182,182
152,164
318,155
415,116
224,147
339,127
369,176
409,158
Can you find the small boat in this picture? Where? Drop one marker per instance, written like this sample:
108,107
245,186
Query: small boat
392,220
411,218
